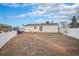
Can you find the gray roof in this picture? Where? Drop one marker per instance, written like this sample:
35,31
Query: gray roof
41,24
5,25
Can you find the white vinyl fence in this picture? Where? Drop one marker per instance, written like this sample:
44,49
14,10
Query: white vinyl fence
5,37
73,32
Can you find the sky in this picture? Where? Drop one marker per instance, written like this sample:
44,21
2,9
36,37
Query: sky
17,14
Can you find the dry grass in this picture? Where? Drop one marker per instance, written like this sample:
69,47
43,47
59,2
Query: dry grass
41,44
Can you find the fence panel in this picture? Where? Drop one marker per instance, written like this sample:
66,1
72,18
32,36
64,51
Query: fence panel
73,32
5,37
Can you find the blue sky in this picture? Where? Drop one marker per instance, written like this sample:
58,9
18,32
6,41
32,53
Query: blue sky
21,13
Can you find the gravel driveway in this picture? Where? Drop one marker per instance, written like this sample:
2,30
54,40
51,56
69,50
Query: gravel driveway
41,44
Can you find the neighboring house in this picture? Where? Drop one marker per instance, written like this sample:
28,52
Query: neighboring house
5,28
44,27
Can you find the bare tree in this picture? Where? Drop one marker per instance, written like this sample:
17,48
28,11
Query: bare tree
63,24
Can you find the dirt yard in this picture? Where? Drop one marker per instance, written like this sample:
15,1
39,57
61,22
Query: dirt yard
41,44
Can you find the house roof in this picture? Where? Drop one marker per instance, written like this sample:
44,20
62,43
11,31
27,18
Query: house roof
41,24
5,25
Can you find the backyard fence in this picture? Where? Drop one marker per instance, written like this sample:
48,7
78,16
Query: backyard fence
72,32
5,37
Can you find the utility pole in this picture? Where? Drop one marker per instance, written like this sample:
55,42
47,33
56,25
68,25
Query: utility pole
5,28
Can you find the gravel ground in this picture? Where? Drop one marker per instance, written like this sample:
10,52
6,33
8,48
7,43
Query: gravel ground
41,44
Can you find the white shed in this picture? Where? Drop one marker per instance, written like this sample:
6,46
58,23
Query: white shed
52,28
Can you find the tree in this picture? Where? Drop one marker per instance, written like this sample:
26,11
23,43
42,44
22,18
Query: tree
47,22
74,23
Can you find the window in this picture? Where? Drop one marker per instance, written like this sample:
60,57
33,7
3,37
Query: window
34,27
40,28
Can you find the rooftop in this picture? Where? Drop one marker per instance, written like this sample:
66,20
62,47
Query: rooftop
41,24
4,25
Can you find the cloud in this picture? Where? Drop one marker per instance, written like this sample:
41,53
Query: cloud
69,12
42,20
41,10
18,16
60,17
49,10
64,9
15,5
69,9
35,13
46,8
22,15
76,5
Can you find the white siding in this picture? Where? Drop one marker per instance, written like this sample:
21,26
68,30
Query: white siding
45,28
51,28
5,37
28,28
72,32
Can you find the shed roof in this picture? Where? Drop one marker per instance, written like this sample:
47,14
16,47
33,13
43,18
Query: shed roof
41,24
